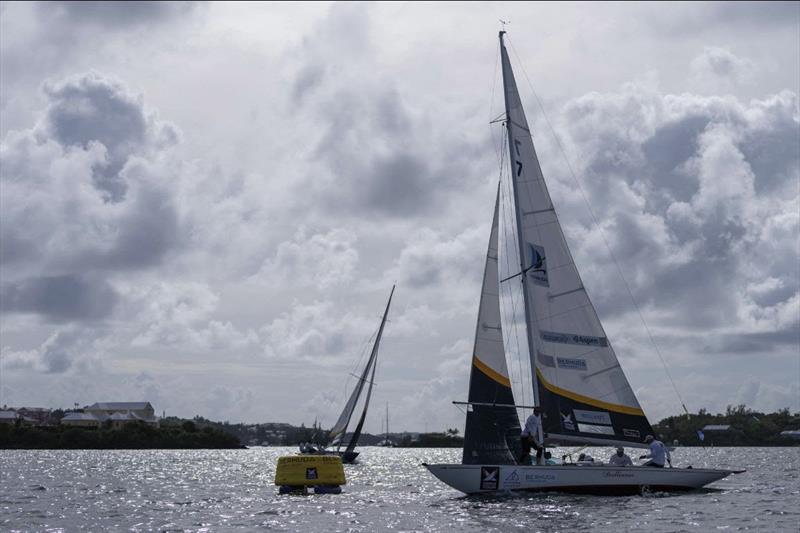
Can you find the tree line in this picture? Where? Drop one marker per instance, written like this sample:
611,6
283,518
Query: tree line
747,428
133,435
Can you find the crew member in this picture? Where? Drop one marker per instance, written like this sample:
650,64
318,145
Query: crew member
620,458
530,437
658,453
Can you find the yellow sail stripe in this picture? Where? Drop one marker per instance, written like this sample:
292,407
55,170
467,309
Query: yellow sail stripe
587,400
496,376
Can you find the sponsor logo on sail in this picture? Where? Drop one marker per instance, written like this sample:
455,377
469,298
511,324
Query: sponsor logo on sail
490,477
571,364
567,422
592,417
537,271
569,338
632,433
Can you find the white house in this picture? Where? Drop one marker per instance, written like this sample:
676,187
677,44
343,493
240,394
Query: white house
123,412
81,419
8,417
119,413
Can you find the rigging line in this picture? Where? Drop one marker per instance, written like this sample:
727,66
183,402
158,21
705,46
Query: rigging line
364,347
514,328
366,344
505,306
600,228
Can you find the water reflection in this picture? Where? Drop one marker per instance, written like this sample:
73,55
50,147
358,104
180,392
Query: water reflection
232,490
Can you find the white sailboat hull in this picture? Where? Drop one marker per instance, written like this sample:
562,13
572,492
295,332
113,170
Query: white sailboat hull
594,479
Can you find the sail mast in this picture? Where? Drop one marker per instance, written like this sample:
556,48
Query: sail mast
373,360
508,74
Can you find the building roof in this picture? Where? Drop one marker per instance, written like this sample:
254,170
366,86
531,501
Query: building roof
717,427
119,406
791,433
123,416
79,416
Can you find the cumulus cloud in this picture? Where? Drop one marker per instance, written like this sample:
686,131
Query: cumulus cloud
681,208
316,332
56,355
321,165
86,194
720,63
321,259
91,108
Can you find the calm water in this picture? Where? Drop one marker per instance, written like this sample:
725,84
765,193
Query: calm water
228,490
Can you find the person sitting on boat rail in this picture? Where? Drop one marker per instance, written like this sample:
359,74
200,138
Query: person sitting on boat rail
548,459
585,459
658,455
620,458
530,437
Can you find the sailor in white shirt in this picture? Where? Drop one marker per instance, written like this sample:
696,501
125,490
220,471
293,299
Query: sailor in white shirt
531,435
620,458
658,455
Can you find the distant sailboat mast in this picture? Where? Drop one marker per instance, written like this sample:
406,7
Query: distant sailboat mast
357,432
367,376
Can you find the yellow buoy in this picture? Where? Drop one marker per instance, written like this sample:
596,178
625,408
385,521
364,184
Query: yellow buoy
323,472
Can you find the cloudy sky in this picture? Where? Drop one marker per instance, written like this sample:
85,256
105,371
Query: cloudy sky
206,205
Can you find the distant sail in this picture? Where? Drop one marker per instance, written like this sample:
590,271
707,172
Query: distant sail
579,383
490,431
357,433
337,432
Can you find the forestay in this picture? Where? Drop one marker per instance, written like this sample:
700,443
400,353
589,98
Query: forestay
579,383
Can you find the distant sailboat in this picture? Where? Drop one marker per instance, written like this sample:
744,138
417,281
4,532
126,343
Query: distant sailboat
575,375
339,430
386,442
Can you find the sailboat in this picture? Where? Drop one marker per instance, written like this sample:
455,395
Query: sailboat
576,378
339,430
386,443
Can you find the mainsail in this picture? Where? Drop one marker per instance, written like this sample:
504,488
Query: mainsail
367,376
491,430
577,378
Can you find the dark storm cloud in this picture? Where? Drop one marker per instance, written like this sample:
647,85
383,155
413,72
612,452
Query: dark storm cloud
376,153
671,146
757,343
89,108
60,298
396,185
114,14
366,148
146,233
